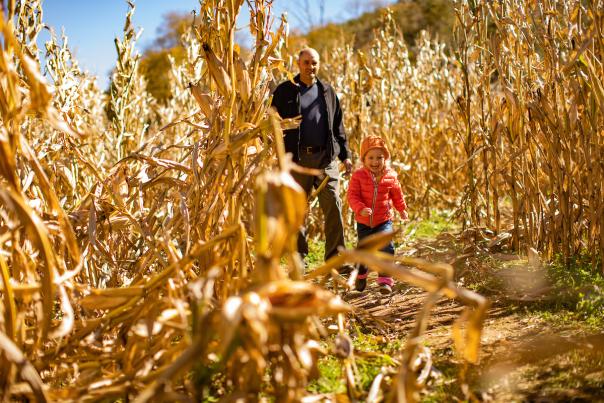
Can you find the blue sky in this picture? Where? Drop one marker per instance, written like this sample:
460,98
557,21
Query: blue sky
92,25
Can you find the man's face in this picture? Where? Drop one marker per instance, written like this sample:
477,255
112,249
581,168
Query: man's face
309,66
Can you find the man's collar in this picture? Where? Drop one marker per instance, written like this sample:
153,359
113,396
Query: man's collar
317,81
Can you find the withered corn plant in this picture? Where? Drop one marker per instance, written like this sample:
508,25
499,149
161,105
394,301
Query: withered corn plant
151,254
39,249
28,24
532,122
130,105
73,163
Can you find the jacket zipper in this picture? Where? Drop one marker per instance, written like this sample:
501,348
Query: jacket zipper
375,189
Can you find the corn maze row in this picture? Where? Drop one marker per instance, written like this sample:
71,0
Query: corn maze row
147,250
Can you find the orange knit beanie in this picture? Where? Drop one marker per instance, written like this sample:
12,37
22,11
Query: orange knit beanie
373,142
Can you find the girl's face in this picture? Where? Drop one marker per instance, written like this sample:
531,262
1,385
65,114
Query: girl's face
375,160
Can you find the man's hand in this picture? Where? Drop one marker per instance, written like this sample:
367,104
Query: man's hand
366,212
348,165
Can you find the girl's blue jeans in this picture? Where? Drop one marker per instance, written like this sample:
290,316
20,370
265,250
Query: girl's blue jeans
364,231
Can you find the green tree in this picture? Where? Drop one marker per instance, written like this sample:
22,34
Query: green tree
155,62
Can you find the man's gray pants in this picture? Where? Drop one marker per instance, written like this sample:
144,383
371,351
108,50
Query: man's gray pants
329,200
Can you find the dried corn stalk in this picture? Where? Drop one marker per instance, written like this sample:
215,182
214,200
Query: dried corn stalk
532,122
143,267
130,105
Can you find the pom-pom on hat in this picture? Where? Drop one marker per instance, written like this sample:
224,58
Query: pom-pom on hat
371,142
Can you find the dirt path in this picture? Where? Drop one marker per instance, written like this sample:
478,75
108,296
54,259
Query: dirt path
528,353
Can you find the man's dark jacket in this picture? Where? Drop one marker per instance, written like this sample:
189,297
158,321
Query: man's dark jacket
286,99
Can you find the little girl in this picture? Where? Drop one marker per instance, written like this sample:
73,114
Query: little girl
373,189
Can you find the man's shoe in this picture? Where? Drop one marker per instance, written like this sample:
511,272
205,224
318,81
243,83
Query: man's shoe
385,289
360,284
345,269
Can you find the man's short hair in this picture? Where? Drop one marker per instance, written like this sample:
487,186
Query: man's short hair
308,50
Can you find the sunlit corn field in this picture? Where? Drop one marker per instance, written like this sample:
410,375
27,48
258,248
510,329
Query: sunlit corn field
148,250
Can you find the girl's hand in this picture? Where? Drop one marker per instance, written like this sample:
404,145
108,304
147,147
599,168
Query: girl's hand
404,215
366,212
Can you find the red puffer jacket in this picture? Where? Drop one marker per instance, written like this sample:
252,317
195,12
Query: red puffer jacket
364,191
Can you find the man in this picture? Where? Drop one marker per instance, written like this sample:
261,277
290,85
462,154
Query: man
317,143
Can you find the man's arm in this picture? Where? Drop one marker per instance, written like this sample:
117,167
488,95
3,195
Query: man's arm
340,136
276,100
339,132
